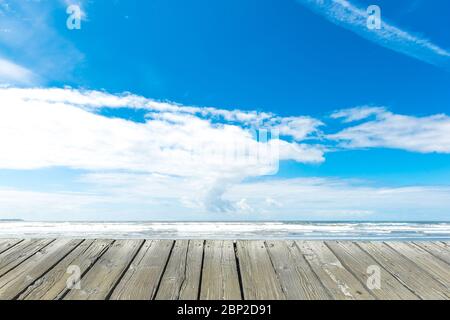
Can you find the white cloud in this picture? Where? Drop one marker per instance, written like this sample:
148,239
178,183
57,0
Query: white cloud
184,159
299,128
119,196
35,205
272,202
356,114
351,17
306,153
60,128
14,74
314,198
389,130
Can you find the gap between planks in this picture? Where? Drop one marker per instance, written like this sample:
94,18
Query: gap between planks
243,269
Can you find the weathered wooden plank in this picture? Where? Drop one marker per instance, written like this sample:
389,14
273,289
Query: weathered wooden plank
340,282
142,277
438,269
297,279
20,252
438,243
18,279
220,280
99,281
6,244
259,279
181,279
405,271
36,269
437,249
358,261
53,285
190,288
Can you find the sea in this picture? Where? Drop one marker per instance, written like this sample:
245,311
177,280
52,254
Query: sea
269,230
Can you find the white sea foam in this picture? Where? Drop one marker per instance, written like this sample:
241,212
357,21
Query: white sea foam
228,230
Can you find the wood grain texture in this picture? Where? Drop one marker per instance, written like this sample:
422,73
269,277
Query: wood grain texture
298,280
259,279
19,253
196,269
438,269
438,249
25,274
220,279
339,281
54,284
360,263
100,280
142,277
181,280
6,244
421,283
191,285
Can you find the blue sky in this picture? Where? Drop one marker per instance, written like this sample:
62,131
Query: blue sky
110,122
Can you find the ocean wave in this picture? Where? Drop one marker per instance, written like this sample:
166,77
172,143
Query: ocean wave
228,230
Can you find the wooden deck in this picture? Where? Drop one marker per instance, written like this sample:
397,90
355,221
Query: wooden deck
197,269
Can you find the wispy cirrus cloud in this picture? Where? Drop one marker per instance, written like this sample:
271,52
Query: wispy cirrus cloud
389,130
14,74
357,113
354,18
28,37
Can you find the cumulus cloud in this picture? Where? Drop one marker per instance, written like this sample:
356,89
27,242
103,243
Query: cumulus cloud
354,18
64,128
299,128
60,127
193,159
388,130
